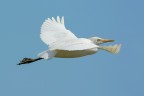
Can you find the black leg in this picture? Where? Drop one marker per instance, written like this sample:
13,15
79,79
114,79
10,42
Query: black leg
28,60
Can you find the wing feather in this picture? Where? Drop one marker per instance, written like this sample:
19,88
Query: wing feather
53,31
62,20
58,19
53,19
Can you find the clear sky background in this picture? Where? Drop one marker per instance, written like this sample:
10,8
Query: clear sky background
101,74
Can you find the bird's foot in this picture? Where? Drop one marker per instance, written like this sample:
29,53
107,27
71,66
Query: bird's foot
26,61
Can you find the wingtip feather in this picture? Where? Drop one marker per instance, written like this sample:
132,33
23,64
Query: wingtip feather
58,19
113,49
53,19
62,20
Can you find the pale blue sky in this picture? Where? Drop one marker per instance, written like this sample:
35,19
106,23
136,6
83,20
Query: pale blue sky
102,74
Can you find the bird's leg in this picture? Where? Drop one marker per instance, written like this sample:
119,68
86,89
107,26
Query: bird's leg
28,60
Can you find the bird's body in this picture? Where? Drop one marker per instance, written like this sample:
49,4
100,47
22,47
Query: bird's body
64,44
75,53
74,48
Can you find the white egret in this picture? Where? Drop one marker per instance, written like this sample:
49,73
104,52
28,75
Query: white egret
64,44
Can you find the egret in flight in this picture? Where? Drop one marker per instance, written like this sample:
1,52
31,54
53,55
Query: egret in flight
64,44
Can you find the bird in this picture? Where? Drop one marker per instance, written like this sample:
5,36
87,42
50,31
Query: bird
62,43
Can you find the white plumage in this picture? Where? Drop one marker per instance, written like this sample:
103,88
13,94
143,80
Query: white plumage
53,31
64,44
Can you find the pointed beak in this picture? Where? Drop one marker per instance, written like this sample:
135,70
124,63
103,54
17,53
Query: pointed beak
107,40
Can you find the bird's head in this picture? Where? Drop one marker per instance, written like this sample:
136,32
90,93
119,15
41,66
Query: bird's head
98,40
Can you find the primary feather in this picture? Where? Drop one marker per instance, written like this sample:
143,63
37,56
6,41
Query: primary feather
53,31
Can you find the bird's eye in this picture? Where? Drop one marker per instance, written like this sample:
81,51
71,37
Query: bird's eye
98,39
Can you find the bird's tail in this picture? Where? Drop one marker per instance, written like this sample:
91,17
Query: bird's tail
112,49
48,54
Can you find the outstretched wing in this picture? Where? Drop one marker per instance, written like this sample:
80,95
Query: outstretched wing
53,31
